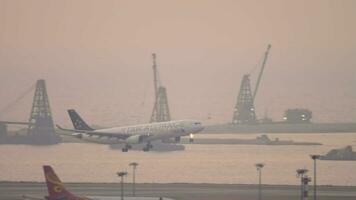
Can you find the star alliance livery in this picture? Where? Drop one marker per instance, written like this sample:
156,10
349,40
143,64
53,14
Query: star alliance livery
131,135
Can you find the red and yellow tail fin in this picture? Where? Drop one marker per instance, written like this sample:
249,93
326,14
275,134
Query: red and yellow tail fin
56,189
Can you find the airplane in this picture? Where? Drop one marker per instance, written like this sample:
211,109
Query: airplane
131,135
55,187
57,191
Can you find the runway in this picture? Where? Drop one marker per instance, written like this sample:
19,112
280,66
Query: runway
14,191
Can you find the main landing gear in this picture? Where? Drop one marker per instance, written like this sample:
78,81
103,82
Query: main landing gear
147,147
126,148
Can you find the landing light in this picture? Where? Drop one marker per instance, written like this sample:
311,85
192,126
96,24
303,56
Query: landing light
191,138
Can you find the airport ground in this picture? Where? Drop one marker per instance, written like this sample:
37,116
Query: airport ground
180,191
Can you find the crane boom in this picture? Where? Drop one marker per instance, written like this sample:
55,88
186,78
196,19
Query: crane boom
160,111
155,76
16,123
261,72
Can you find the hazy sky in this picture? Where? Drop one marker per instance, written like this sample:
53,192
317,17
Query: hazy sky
96,57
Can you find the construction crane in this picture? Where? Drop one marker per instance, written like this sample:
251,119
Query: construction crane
244,112
15,123
41,121
261,72
160,111
156,81
40,125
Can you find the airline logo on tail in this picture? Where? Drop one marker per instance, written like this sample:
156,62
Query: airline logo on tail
53,179
78,122
56,189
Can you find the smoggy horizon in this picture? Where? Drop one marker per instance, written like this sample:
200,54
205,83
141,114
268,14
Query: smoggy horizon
96,57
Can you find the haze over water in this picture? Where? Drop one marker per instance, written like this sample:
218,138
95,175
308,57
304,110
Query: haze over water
197,164
96,57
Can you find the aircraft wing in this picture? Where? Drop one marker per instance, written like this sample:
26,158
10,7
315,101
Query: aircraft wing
95,133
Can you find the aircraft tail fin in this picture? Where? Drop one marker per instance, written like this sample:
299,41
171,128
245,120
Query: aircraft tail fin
78,122
56,189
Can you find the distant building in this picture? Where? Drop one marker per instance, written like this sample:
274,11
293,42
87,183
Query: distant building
297,115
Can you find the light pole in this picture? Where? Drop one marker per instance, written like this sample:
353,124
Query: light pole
259,167
122,174
314,157
134,165
304,179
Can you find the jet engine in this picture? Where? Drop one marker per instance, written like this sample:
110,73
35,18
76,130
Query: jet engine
79,135
135,139
171,140
177,139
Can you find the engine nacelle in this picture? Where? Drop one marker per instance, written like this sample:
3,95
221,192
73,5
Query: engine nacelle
177,139
135,139
171,140
78,135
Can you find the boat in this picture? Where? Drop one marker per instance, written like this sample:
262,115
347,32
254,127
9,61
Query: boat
345,153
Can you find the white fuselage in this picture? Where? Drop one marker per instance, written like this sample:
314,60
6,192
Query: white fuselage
151,132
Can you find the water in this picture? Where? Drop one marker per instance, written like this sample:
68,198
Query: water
197,164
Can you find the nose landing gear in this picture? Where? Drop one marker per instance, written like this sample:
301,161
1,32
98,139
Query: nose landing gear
191,138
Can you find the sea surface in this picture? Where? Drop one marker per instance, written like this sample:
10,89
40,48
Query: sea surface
87,162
